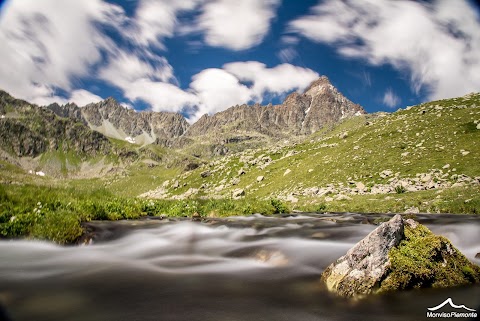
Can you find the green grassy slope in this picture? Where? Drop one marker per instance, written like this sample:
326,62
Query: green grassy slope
439,140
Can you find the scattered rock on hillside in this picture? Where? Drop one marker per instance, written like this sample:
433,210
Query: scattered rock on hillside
291,199
260,178
386,173
412,210
399,255
288,171
238,193
343,135
205,174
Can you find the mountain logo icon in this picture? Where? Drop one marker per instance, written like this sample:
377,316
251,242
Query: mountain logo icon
453,305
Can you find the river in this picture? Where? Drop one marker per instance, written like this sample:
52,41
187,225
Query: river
239,268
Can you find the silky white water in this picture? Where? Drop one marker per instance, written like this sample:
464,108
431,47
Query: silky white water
254,268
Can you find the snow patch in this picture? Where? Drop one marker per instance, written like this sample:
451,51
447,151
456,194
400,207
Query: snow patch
130,140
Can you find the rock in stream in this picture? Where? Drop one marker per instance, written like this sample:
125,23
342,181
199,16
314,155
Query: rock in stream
398,255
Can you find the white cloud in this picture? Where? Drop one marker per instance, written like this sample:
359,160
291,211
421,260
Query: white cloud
82,97
146,80
161,96
124,68
44,96
390,98
438,44
276,80
156,20
287,54
49,44
236,25
219,89
48,47
289,40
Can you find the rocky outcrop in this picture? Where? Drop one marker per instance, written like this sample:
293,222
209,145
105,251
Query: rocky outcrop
399,255
114,120
365,264
327,106
29,130
321,104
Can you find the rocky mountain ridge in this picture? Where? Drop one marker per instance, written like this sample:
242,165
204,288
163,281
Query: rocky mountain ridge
28,131
300,114
114,120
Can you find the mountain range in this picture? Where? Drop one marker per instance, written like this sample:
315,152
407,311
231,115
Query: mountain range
316,147
300,114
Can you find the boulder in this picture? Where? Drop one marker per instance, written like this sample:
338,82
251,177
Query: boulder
238,193
292,199
360,186
205,174
399,255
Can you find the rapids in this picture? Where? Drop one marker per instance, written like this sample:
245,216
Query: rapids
239,268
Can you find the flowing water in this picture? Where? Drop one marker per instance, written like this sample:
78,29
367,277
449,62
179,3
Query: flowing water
244,268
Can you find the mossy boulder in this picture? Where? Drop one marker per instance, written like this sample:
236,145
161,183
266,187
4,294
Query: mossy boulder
399,255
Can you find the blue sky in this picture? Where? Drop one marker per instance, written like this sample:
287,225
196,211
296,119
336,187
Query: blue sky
203,56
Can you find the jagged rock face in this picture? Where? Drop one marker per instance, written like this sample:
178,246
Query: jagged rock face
68,111
29,130
321,104
300,114
327,106
114,120
365,264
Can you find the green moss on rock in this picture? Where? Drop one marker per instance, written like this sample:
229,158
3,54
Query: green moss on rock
399,255
424,260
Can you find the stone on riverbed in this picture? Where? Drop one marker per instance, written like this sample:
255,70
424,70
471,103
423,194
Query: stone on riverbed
399,255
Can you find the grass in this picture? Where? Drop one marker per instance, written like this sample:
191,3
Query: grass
454,200
408,142
56,213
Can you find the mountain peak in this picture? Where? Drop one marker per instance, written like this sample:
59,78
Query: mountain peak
110,101
319,83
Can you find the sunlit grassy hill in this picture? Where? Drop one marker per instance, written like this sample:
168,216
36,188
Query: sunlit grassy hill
421,150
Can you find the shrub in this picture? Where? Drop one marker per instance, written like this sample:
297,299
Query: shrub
61,226
278,206
399,189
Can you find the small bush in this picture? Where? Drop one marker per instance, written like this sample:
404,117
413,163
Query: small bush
399,189
321,208
278,206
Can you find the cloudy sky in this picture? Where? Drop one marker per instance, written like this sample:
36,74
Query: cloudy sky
203,56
